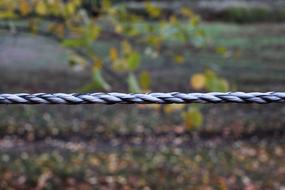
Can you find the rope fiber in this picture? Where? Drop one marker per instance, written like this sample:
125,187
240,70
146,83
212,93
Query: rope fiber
147,98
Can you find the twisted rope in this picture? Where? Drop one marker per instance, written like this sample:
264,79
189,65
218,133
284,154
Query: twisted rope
149,98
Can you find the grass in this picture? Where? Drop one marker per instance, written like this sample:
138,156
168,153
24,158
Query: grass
238,146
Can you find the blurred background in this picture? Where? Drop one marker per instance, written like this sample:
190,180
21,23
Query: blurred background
142,46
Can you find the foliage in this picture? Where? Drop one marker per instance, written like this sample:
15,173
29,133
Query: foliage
79,28
209,167
249,154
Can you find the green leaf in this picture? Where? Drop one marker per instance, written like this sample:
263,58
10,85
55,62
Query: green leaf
89,87
221,50
72,43
134,61
92,32
133,84
211,80
214,83
99,81
75,59
7,15
222,86
193,118
144,80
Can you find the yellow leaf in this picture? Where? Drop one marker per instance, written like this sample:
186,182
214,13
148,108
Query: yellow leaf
77,2
127,48
154,40
179,59
195,20
173,19
93,31
60,30
193,118
173,108
70,8
106,4
98,63
198,81
33,25
120,65
24,7
94,161
7,14
152,10
186,12
113,54
222,51
118,28
41,8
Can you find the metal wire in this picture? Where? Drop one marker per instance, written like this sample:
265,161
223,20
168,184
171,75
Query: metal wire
147,98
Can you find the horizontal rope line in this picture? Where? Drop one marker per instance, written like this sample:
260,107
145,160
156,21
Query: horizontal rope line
147,98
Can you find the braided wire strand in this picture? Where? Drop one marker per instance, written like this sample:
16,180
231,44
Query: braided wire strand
147,98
